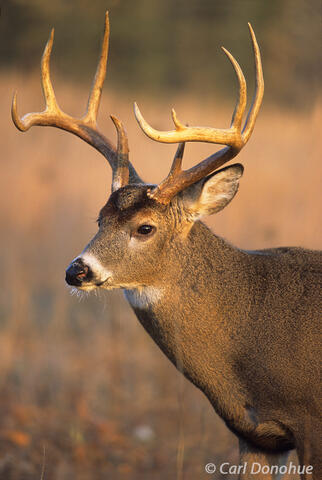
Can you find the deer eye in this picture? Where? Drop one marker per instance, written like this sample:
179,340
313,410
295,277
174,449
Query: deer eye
145,229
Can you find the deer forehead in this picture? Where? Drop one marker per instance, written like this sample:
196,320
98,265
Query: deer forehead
132,203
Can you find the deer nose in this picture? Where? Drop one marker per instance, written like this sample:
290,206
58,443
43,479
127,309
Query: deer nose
77,273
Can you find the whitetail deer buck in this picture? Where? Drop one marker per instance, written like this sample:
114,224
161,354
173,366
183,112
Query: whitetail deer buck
242,326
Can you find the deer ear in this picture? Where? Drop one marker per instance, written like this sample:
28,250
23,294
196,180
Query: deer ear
213,193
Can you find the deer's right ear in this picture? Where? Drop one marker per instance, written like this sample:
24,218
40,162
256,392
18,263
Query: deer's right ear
213,193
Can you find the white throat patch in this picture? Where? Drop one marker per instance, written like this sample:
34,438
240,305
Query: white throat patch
143,297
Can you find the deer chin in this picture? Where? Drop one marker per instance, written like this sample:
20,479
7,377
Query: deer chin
84,288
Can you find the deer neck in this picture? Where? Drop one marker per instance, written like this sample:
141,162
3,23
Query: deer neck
195,304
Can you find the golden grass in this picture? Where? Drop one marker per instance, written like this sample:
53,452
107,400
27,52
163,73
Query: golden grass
81,378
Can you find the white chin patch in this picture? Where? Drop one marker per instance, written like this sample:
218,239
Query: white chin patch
101,274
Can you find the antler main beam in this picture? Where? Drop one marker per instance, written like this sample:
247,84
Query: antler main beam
85,127
234,137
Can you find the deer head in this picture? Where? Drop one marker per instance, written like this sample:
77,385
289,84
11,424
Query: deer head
140,221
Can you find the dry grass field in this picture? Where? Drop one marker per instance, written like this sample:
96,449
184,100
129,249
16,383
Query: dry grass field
85,394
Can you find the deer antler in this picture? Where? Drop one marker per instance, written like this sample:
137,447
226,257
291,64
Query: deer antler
85,127
234,137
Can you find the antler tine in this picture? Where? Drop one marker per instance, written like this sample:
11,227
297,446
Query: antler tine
168,184
259,89
121,173
177,161
51,108
85,127
234,138
239,111
95,94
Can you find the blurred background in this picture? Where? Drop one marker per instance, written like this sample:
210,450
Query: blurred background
85,393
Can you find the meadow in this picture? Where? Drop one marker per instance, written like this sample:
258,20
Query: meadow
85,393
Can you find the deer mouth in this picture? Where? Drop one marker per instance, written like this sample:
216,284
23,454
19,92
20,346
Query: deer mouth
105,283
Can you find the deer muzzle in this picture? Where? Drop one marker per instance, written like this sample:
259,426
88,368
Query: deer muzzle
78,273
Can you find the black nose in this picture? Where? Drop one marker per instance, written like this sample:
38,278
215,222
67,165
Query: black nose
77,273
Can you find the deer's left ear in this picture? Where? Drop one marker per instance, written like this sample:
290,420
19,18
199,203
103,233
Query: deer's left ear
213,193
